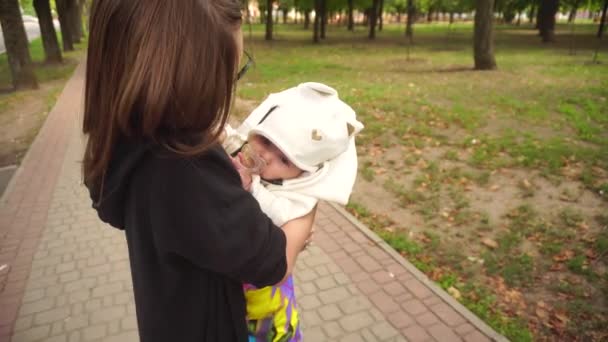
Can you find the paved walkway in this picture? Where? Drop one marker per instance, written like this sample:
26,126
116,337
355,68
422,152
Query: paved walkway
64,276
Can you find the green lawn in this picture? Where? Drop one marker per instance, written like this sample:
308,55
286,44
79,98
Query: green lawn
516,157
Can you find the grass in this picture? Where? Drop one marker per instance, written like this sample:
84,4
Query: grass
51,80
541,113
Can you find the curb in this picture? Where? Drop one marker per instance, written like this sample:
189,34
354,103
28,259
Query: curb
461,309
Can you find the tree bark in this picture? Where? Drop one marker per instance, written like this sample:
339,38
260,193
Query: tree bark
17,46
546,16
380,18
76,21
306,19
351,20
284,16
268,20
52,52
323,18
64,10
532,13
573,11
317,22
373,18
600,30
411,16
484,35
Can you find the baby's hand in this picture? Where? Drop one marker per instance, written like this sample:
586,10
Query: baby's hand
243,172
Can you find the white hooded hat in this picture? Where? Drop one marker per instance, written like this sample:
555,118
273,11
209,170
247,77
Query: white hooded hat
315,130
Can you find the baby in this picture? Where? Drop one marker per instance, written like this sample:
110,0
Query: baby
293,150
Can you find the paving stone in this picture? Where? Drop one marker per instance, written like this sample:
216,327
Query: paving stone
416,333
384,302
309,302
58,338
37,306
129,323
442,332
107,314
32,334
127,336
57,328
333,295
356,321
53,315
332,330
447,314
414,307
24,322
314,334
353,337
94,332
384,331
329,312
400,320
354,304
76,322
427,319
476,336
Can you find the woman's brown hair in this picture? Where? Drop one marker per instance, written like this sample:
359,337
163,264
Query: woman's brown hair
158,70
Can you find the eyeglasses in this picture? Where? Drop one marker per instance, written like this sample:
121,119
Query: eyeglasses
245,67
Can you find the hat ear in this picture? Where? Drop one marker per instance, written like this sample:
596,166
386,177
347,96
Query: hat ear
353,128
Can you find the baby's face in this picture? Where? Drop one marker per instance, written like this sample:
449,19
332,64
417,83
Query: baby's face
277,164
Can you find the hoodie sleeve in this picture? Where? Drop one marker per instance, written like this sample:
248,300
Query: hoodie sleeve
202,213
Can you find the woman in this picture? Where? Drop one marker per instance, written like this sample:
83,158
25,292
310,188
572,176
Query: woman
159,84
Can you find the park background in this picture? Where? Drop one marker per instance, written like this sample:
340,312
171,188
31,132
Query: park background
484,160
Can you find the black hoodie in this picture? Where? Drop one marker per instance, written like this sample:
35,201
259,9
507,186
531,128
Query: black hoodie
194,237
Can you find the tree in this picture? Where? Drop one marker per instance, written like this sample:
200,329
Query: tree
380,17
411,16
76,20
546,19
64,9
52,52
351,20
268,20
600,30
317,22
373,18
17,46
484,35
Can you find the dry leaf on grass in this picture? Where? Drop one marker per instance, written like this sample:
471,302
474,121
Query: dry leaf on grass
490,243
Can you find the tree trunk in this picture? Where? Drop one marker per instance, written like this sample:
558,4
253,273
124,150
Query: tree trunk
573,11
63,10
284,16
546,16
451,18
268,20
76,20
323,18
398,17
373,18
380,18
17,46
600,30
411,16
351,20
532,12
52,52
317,21
307,19
484,35
429,16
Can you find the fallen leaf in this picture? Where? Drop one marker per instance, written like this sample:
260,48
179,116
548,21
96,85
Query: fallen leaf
454,292
490,243
564,255
494,187
526,184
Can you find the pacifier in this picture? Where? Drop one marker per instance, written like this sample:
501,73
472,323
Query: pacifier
251,160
